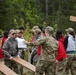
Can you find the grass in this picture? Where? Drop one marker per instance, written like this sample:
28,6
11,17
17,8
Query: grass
27,72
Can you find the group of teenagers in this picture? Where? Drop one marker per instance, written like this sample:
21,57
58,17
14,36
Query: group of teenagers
64,62
52,55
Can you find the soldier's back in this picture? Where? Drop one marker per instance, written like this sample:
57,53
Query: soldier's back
49,49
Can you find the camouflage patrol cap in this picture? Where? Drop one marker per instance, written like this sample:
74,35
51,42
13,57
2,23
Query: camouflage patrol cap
12,31
70,29
35,28
17,31
49,28
38,30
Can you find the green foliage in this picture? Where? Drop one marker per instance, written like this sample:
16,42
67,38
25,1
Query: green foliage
14,13
27,34
55,27
1,32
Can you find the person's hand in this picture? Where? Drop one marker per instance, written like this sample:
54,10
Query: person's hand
11,58
18,56
57,61
25,50
26,42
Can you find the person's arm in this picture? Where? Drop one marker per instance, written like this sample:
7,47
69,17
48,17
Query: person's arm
5,49
37,42
19,52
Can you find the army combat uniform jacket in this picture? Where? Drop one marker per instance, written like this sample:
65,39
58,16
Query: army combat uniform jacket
10,48
48,55
49,47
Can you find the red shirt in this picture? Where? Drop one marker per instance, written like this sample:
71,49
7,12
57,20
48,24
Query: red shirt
3,40
1,54
61,50
39,50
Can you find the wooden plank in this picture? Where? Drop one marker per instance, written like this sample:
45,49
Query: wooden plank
7,71
73,18
25,63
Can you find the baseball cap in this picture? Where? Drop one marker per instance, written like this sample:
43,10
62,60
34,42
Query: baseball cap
49,28
70,29
12,31
17,31
35,28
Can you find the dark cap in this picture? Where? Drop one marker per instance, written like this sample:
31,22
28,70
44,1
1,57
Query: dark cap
21,27
59,32
6,33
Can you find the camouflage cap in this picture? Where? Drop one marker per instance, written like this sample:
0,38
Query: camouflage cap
17,31
35,28
49,28
70,29
32,30
12,31
38,30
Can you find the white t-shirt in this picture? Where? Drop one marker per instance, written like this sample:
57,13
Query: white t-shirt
71,43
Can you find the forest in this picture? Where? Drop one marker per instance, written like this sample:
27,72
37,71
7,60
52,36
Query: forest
55,13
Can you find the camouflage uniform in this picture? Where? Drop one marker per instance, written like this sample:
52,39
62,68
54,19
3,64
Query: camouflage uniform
61,67
47,59
71,64
34,55
21,54
34,49
10,49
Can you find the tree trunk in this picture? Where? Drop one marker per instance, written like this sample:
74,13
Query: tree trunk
47,8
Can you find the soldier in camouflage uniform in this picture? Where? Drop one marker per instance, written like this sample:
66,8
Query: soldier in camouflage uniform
46,64
10,50
34,49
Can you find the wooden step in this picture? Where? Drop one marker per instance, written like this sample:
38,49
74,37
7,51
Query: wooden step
7,71
25,63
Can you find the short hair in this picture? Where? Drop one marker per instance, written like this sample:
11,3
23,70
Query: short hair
5,33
